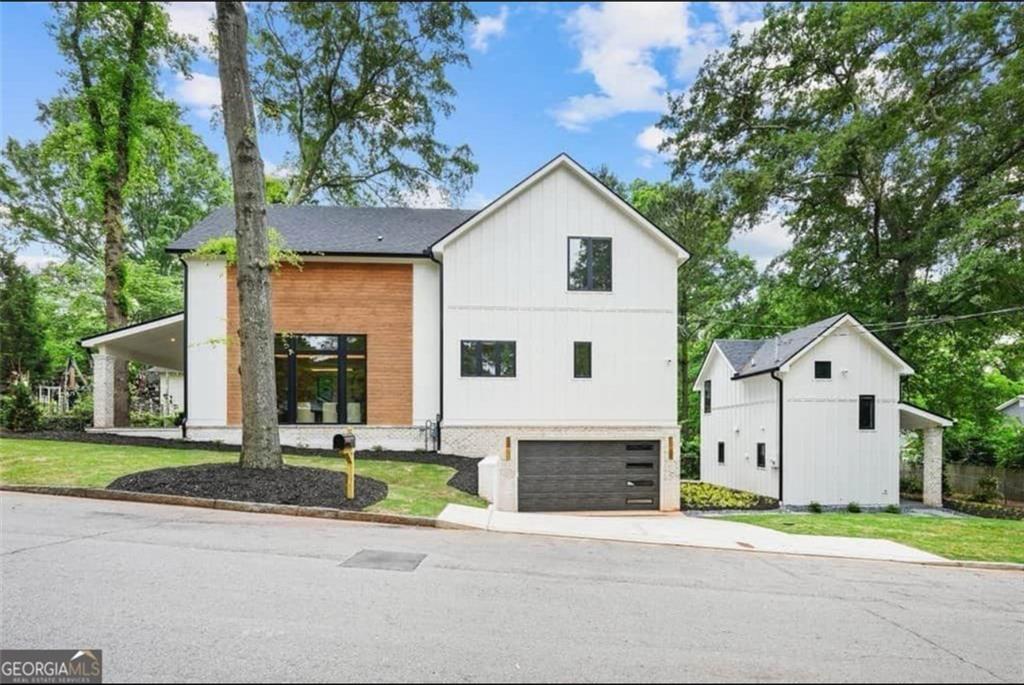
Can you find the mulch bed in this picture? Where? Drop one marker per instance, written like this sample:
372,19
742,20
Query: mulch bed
465,478
298,485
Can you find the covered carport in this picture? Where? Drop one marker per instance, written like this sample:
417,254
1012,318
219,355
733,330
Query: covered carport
931,426
157,342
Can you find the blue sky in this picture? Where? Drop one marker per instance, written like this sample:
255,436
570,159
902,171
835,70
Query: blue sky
590,79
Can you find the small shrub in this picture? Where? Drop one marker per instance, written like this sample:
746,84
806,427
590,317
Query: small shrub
987,490
892,509
20,411
707,496
991,511
814,507
911,486
853,508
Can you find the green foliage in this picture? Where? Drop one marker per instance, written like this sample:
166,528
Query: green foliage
911,486
358,88
1010,449
888,136
853,508
20,412
892,509
999,444
22,352
78,418
814,507
226,247
987,490
708,496
984,509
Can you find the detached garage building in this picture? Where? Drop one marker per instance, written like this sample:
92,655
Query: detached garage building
539,332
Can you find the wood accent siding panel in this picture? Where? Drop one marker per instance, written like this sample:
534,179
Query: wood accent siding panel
374,300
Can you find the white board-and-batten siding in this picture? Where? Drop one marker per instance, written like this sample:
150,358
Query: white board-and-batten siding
506,279
827,458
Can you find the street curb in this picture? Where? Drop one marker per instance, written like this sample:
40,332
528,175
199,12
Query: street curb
230,505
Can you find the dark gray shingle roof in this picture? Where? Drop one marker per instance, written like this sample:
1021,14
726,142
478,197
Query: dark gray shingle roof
338,230
771,353
738,352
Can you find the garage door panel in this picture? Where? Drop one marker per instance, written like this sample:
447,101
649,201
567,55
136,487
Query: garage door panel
581,475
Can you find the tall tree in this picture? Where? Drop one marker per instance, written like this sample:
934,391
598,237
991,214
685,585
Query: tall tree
22,353
358,86
893,136
261,448
713,282
105,125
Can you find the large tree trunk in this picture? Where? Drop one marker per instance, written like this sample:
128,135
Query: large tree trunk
261,447
113,295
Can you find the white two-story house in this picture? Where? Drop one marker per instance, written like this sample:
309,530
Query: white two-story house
812,415
540,330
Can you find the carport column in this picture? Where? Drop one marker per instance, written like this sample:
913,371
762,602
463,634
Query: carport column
932,485
103,389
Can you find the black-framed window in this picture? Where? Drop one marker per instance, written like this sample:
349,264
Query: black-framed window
321,378
761,450
495,358
707,396
823,370
721,452
582,359
590,263
866,411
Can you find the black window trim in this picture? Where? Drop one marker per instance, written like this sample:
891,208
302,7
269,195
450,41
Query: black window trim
342,357
590,360
707,396
589,239
721,451
478,357
822,378
762,455
860,412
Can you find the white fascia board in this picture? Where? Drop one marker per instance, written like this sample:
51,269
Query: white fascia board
925,415
129,331
561,161
904,367
707,359
1009,403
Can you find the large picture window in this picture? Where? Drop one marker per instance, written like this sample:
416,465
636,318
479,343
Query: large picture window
320,378
590,264
488,358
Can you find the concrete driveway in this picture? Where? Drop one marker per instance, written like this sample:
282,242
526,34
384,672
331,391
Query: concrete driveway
205,595
679,529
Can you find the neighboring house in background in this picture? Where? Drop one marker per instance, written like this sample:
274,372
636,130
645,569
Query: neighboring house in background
540,331
1013,409
812,415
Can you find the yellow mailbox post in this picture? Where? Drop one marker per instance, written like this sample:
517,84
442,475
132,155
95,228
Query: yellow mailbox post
346,444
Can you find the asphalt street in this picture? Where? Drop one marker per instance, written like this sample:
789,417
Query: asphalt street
183,594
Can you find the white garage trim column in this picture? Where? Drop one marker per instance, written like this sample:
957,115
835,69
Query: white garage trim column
103,389
932,480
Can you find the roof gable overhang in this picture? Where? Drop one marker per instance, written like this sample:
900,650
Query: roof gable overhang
713,350
562,161
904,368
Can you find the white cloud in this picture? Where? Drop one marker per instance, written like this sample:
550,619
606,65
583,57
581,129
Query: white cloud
193,19
619,44
36,262
489,27
430,197
764,242
279,171
650,139
200,93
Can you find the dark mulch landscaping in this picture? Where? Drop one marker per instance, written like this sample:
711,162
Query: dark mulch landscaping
465,478
299,485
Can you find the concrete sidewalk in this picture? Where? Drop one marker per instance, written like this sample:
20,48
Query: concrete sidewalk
680,529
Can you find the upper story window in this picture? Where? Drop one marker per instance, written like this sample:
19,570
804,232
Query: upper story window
707,396
866,407
761,453
590,264
823,370
581,359
495,358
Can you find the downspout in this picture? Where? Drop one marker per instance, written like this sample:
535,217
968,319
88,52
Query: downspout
440,355
779,380
184,351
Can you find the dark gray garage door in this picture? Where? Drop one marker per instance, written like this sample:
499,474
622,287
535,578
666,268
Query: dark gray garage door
559,475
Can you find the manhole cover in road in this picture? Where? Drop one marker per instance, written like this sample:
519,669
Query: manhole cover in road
384,561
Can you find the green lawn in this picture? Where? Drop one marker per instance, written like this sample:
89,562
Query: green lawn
414,489
966,537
